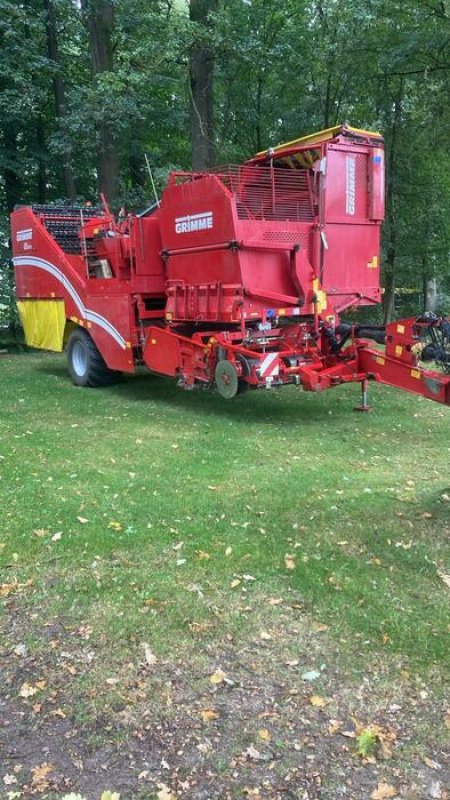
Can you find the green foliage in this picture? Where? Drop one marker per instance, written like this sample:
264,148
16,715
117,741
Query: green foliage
366,742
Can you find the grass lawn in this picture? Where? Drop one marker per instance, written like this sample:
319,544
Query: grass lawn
153,539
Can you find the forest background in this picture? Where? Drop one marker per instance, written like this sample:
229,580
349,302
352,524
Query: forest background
88,88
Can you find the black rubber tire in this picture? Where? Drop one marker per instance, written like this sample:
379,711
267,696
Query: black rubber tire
86,365
243,386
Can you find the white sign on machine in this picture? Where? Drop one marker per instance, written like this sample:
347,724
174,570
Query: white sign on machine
194,222
24,235
350,194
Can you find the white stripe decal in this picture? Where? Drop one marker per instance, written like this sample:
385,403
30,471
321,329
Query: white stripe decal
266,363
85,313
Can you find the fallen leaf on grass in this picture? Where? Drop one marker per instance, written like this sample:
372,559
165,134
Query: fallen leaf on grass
373,740
213,488
82,520
58,712
56,536
383,791
334,726
165,793
9,780
264,734
252,753
27,690
289,561
110,795
432,764
218,677
311,675
208,715
445,577
318,701
39,776
149,655
114,525
10,588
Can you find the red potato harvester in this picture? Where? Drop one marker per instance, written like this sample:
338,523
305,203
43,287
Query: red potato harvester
237,278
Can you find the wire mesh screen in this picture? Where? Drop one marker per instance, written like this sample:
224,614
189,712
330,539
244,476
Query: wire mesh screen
265,193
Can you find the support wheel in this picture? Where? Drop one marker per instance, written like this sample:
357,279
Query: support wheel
86,365
227,380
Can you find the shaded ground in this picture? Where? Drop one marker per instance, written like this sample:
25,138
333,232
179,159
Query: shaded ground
276,716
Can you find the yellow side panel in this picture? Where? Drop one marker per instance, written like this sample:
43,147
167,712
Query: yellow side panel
43,322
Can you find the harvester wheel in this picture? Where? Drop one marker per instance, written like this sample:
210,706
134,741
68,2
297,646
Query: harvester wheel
86,365
227,380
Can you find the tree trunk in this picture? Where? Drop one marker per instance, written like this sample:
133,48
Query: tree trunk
99,20
389,291
201,75
59,92
11,176
431,295
391,174
41,151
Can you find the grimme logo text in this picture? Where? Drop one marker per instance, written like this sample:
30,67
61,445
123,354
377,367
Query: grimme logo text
194,222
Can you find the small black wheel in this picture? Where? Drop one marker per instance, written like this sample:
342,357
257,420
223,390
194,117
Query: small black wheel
86,364
243,386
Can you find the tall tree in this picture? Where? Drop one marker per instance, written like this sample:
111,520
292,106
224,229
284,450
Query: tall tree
59,91
99,19
201,78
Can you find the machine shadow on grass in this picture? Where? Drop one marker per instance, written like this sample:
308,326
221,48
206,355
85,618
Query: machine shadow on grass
269,406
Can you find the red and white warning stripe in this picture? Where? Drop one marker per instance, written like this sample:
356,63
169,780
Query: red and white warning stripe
269,366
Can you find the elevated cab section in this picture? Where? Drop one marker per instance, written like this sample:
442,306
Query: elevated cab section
347,170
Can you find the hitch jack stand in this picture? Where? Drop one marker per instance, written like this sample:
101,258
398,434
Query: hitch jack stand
364,393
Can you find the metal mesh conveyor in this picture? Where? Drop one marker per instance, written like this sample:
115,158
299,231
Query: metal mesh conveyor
64,222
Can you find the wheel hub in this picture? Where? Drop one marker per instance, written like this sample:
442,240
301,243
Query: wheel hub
79,359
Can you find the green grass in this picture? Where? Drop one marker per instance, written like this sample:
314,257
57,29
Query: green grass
356,499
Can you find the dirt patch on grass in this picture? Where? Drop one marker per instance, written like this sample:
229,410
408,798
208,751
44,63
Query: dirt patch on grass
277,711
